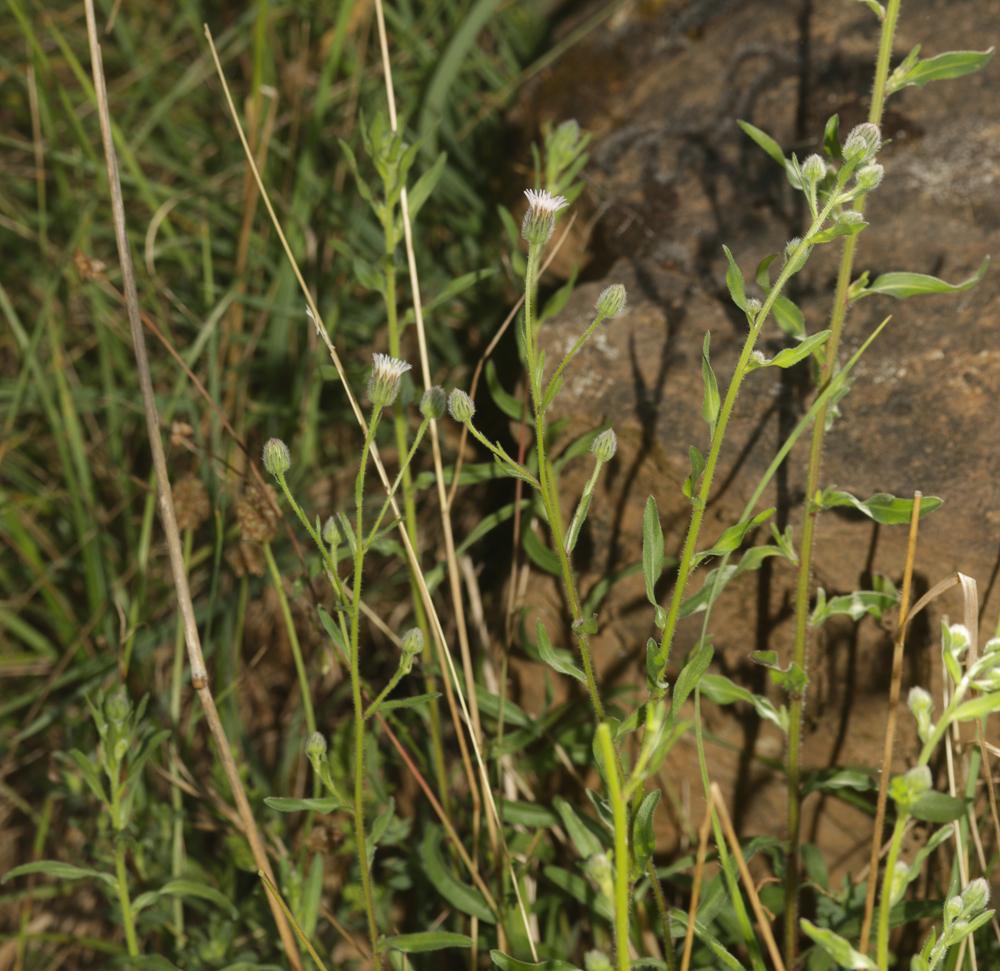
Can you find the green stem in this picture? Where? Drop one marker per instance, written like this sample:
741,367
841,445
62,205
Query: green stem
360,835
546,483
722,423
553,386
124,900
400,477
176,797
664,912
725,860
620,813
802,591
293,639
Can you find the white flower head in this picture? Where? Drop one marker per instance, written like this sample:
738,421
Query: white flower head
383,385
540,219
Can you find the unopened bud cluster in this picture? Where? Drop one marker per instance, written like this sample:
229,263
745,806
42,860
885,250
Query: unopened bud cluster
460,406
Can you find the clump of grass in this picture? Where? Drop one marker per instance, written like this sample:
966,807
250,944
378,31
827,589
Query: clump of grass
396,849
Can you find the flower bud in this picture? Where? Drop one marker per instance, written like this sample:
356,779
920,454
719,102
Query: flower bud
813,168
992,646
869,176
331,533
316,746
540,220
611,302
412,642
460,406
952,908
975,897
117,707
898,883
597,961
383,385
753,308
433,403
605,445
277,458
862,143
958,638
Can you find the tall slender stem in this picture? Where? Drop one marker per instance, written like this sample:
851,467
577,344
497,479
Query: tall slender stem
719,432
621,862
546,482
799,658
360,836
125,901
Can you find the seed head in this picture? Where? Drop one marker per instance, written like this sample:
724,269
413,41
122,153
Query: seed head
191,503
611,302
433,403
540,220
862,143
277,458
460,406
383,385
605,445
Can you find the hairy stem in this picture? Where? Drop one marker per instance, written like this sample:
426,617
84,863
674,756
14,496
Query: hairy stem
802,599
620,813
124,900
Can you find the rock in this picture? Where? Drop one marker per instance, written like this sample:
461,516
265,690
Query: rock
671,179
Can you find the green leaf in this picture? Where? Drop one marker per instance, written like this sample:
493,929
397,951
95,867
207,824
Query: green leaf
424,941
842,227
697,664
490,704
580,890
461,896
732,537
528,814
789,318
414,701
586,842
643,834
826,781
89,773
506,963
711,401
280,804
734,281
792,355
541,555
724,691
904,285
936,807
559,661
765,141
652,554
978,707
884,508
942,67
697,467
855,605
424,186
59,870
840,950
186,888
876,8
831,138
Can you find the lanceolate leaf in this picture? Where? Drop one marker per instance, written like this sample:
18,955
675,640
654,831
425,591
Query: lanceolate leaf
734,281
711,401
697,664
506,963
843,954
903,285
59,870
792,355
424,941
652,553
559,661
884,508
282,805
765,141
942,67
461,896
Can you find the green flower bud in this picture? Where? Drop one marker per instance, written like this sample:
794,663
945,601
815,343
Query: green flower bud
952,909
605,445
922,706
611,302
753,308
118,707
412,642
862,143
813,168
597,961
460,406
975,897
958,638
277,458
331,533
869,176
433,403
316,746
540,220
898,884
383,385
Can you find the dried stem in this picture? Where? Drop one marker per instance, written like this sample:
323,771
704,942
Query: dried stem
890,724
699,868
199,673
